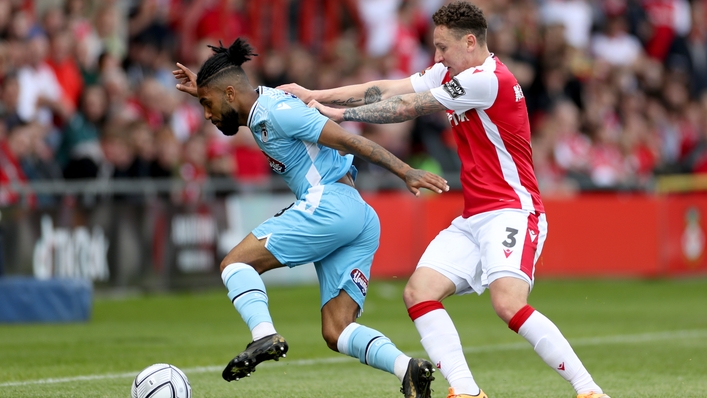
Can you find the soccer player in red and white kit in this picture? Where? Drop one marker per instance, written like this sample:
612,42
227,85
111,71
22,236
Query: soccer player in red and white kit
496,241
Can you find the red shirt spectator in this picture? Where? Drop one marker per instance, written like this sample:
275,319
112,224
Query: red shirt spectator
17,144
65,67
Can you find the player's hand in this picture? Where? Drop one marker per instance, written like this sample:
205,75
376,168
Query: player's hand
300,92
335,114
416,179
187,79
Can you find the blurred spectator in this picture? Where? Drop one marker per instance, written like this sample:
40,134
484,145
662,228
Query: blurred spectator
149,103
41,97
194,169
641,147
39,163
574,15
607,167
66,70
9,100
504,41
15,147
118,152
689,53
167,155
54,21
615,44
88,44
80,153
666,20
572,148
5,17
142,139
380,21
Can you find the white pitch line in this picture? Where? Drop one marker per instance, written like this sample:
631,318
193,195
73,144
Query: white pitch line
580,342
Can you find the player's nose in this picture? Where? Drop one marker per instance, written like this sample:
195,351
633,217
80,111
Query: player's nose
438,57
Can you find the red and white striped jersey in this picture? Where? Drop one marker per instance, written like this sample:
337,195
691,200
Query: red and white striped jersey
486,108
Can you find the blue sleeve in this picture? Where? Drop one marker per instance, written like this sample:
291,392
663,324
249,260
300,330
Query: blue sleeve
294,119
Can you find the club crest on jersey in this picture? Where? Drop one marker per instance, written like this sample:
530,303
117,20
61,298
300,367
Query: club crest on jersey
360,280
276,165
453,88
263,134
424,71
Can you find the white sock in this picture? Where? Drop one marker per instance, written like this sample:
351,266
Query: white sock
401,366
263,329
549,343
441,341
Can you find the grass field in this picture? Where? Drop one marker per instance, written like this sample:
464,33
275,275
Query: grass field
638,339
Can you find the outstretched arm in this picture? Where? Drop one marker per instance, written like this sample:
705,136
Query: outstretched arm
334,136
393,110
353,95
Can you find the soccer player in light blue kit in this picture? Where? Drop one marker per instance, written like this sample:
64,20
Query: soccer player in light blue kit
329,224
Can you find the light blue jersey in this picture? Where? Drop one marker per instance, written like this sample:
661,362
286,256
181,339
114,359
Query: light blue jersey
287,131
329,224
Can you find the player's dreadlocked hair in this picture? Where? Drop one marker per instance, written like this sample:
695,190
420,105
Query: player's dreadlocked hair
225,59
462,17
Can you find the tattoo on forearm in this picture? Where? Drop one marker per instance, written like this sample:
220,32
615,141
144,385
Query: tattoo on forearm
396,109
376,154
372,95
347,102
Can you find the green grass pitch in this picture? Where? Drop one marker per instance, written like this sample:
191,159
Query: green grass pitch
638,339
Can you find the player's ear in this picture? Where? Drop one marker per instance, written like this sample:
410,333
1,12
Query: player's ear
230,93
471,40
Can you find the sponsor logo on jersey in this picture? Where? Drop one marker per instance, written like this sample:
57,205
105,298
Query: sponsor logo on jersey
453,88
533,235
455,119
518,92
276,165
507,252
282,106
360,280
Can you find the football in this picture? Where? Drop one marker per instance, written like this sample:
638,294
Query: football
161,380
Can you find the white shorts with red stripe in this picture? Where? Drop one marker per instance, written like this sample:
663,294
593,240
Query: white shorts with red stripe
473,252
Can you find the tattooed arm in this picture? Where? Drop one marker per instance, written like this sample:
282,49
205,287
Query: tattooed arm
334,136
354,95
393,110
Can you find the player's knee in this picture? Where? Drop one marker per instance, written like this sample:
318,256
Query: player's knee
223,264
413,294
410,296
228,261
506,309
331,338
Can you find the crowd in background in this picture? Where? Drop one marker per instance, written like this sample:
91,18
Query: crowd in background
616,89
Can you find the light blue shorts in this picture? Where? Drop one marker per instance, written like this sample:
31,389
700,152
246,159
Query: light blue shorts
340,237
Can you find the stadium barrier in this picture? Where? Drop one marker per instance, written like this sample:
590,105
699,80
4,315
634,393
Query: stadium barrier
143,239
600,235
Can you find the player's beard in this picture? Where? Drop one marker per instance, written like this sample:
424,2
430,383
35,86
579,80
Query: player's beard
229,121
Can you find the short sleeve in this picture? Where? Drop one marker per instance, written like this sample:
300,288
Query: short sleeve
429,78
471,89
296,120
